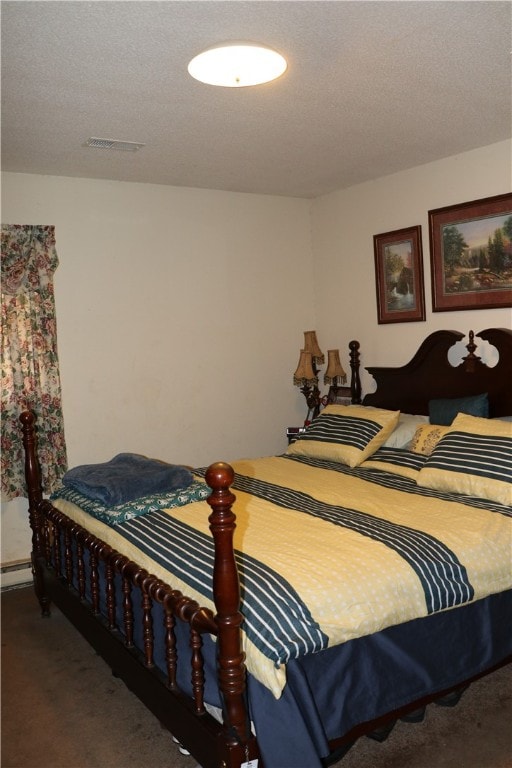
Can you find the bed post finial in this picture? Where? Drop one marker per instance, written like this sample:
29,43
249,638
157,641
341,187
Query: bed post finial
226,594
355,381
471,360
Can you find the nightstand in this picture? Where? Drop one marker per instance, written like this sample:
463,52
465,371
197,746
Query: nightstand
292,433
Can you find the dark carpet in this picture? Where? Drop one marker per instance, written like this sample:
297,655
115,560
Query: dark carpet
61,708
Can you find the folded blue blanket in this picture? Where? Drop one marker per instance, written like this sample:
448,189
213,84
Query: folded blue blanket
120,513
126,477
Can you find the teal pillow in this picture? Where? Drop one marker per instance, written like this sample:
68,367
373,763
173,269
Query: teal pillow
444,411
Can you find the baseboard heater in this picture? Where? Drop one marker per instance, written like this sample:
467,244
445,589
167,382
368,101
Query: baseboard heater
15,574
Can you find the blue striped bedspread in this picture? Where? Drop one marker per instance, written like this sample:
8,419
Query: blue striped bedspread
326,554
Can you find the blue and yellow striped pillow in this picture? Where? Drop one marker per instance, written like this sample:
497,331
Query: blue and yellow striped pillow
397,461
473,458
346,433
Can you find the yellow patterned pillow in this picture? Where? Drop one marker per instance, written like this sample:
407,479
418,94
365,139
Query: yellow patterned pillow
474,458
345,433
426,438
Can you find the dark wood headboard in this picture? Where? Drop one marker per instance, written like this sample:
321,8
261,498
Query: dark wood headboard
430,375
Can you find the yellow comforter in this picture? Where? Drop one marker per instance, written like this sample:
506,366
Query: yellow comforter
353,582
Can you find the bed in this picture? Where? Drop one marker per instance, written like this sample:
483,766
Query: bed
342,595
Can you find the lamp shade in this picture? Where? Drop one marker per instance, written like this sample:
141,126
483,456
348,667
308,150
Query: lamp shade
311,345
334,374
304,373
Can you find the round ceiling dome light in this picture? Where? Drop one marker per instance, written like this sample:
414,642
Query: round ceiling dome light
237,65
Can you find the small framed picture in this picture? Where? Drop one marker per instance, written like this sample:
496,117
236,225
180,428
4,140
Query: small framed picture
399,276
471,254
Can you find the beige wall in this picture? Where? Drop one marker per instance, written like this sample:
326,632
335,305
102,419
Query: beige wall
180,317
343,227
181,311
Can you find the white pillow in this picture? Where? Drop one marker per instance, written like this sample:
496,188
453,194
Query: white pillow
403,433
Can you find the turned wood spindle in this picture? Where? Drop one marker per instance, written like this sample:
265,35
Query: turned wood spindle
147,624
95,581
170,644
196,644
110,595
68,556
127,611
80,565
57,561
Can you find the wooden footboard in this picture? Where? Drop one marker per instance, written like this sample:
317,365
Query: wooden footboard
97,588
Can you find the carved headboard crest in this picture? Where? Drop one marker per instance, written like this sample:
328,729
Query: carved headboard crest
430,375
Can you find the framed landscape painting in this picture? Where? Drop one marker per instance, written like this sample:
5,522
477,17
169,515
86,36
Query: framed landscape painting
399,276
471,254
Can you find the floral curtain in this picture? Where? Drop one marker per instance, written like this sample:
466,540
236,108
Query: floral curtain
30,365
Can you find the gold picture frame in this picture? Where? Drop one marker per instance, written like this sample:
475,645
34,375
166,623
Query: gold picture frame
471,254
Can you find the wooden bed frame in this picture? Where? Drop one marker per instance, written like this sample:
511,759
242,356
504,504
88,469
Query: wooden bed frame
213,744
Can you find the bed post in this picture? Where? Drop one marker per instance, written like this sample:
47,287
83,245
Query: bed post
35,496
355,381
226,593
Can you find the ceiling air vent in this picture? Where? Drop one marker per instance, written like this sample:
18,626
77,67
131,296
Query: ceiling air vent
124,146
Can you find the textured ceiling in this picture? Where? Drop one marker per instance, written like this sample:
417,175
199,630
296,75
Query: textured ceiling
372,88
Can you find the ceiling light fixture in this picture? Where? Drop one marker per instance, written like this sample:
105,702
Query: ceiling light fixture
236,65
